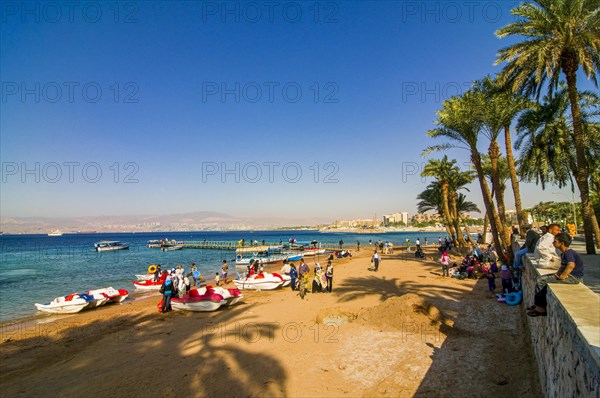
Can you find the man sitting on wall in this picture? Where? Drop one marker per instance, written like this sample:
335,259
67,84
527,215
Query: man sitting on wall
570,272
545,252
531,239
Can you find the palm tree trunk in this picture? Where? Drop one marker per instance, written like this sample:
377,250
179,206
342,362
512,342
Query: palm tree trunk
468,232
447,215
494,152
456,220
489,204
569,66
514,181
486,225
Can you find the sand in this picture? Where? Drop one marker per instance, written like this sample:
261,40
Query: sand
401,332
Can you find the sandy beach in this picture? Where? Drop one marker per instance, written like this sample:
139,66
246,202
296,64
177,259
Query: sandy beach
403,331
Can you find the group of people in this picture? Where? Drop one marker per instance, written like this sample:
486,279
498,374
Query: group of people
322,278
550,250
177,282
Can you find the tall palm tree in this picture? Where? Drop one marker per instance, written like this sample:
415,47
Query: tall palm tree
457,122
498,189
503,106
562,35
546,142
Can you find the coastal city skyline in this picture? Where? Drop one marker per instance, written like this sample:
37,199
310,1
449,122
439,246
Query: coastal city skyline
304,111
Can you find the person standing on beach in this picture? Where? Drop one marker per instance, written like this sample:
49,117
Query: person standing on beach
375,260
407,244
329,276
418,244
445,260
224,272
341,244
303,269
167,289
293,276
357,246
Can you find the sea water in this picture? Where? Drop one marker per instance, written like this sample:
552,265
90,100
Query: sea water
38,268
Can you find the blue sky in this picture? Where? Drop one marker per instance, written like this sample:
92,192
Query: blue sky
303,109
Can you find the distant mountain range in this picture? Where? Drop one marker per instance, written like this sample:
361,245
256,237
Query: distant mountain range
195,221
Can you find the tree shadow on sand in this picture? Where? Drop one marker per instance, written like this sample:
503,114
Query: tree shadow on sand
359,287
176,354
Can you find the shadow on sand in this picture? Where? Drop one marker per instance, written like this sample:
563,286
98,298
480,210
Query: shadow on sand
175,354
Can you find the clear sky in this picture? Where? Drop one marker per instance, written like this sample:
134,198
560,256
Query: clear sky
250,108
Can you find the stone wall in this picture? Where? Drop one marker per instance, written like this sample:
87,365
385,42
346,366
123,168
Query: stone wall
566,343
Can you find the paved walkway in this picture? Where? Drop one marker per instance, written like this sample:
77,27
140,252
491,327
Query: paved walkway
591,262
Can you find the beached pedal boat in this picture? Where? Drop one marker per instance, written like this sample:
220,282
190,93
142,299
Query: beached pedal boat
195,301
113,295
67,304
262,281
232,296
147,285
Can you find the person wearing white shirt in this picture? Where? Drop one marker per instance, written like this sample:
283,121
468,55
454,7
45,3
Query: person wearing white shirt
544,252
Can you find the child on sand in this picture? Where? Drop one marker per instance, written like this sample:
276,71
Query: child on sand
506,276
491,278
217,279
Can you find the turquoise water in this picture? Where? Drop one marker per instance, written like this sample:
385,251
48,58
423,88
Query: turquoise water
38,268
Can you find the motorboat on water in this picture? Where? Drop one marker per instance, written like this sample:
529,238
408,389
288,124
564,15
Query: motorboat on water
110,245
172,248
194,300
263,254
67,304
261,281
56,232
297,250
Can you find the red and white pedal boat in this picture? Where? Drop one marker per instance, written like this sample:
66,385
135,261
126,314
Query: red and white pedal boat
195,301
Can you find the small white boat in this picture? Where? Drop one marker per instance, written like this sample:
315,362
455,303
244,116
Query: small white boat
66,305
144,277
194,301
147,285
110,245
262,281
171,248
56,232
99,299
113,295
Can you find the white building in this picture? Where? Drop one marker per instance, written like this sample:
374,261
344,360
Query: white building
395,218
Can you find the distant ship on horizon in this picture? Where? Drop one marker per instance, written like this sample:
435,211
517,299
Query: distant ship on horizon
56,232
87,232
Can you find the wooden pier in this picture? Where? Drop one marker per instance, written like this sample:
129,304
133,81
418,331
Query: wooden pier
233,245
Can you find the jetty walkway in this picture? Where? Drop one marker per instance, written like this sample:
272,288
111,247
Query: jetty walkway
233,245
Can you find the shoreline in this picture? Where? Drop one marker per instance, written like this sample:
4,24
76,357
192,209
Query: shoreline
418,325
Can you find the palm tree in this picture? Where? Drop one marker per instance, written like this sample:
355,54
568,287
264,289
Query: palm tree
431,200
498,189
457,180
440,169
561,36
501,109
546,143
459,120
